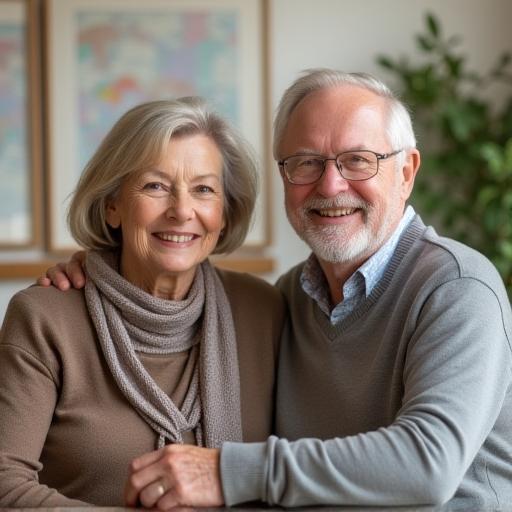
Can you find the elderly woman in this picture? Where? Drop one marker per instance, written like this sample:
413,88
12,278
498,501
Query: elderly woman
159,348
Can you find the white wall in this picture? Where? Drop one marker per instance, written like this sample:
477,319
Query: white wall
348,34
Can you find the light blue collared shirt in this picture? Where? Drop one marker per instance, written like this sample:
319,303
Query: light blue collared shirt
360,284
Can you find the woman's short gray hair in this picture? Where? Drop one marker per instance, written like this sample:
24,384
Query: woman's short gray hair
138,140
400,131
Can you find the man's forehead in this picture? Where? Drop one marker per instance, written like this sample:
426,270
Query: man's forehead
341,98
338,115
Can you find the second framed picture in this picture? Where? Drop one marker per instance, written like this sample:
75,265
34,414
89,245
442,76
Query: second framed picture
105,56
20,126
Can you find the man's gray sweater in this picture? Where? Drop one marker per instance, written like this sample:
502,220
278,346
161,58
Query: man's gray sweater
407,401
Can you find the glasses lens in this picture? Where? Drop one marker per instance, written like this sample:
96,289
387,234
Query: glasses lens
358,165
303,169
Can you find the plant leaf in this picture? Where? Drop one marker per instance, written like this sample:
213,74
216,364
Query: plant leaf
433,24
386,62
424,43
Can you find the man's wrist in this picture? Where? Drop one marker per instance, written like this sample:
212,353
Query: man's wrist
242,471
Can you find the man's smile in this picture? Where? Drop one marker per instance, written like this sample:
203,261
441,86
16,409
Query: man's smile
338,212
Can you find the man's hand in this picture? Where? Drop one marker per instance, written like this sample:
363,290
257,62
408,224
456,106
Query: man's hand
175,476
64,275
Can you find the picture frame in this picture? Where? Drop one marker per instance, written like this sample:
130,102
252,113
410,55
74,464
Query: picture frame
20,126
105,56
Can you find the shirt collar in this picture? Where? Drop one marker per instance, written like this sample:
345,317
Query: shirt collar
373,268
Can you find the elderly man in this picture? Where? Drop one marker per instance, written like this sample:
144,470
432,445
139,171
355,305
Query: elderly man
395,375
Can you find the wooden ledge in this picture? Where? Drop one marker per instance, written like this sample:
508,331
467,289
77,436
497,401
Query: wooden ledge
34,269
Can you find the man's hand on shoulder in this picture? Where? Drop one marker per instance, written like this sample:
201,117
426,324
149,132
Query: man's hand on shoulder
66,275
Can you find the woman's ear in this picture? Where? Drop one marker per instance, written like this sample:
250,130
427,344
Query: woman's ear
112,214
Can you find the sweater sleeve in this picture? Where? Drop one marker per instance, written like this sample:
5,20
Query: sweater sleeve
28,394
456,376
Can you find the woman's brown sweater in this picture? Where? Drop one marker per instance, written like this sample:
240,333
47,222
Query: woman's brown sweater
67,433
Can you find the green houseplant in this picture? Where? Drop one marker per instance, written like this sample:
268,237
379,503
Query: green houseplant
465,185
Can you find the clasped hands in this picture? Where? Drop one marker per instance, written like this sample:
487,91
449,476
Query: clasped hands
175,476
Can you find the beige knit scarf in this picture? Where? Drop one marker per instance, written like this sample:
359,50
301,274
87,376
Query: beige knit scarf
129,320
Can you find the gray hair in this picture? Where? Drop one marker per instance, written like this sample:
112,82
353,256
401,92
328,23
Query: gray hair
399,129
138,140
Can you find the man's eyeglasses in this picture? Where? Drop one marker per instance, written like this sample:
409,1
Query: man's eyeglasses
352,165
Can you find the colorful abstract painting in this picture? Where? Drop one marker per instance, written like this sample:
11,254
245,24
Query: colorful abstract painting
125,58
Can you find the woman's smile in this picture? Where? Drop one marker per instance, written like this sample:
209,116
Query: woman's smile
179,238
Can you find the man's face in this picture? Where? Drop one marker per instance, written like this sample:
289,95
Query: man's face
344,221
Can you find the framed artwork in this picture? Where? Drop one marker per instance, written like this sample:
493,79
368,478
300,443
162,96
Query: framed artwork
20,133
105,56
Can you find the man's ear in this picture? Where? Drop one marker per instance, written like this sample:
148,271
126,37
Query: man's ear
409,170
112,214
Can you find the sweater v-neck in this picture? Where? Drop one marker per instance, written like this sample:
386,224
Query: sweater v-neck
412,233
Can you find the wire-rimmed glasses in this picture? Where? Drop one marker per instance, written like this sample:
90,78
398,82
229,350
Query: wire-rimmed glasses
352,165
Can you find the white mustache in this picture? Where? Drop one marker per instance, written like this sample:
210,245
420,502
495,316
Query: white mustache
337,202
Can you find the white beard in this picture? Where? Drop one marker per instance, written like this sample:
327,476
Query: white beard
330,243
334,243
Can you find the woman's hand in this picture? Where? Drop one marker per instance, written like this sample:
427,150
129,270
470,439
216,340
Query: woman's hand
176,475
65,275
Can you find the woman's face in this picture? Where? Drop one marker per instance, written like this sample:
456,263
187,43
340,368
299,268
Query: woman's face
170,215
